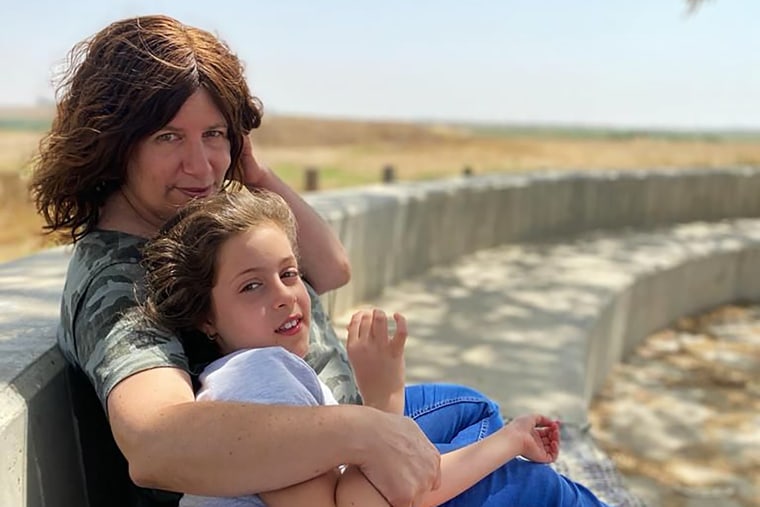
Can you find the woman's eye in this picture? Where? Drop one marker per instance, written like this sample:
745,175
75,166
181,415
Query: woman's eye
167,137
216,133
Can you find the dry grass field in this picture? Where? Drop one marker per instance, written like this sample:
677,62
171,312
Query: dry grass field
349,153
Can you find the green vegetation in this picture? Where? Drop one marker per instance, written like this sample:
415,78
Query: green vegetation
25,124
581,132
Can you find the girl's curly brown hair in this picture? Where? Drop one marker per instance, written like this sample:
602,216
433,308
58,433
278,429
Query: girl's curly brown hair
180,263
121,85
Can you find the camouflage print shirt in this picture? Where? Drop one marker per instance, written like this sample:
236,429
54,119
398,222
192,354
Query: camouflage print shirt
103,333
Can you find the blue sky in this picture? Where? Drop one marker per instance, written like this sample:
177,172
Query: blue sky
620,63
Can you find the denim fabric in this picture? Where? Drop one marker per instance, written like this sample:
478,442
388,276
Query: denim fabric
453,416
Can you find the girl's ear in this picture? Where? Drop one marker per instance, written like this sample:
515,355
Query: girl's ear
207,327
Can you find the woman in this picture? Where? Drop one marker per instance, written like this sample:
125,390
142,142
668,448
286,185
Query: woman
152,114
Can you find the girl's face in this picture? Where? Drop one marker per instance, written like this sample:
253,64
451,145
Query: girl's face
258,299
187,158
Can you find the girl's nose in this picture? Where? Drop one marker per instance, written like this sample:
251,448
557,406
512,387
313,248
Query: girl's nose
286,296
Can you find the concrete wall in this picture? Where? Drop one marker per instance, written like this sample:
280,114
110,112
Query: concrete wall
392,233
396,231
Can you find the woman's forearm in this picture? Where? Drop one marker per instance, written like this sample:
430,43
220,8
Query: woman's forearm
223,449
323,259
227,449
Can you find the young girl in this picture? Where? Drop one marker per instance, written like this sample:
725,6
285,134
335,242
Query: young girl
226,266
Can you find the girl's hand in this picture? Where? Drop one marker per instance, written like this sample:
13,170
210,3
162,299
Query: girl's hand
378,360
539,435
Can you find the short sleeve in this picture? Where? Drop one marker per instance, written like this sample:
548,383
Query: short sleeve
270,375
112,338
327,354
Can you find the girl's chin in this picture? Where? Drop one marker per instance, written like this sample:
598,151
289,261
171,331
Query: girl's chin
300,349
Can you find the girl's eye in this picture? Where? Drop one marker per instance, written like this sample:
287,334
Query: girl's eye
290,273
250,286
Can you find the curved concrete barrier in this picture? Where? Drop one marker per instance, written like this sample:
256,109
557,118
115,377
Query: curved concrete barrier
538,326
393,233
396,231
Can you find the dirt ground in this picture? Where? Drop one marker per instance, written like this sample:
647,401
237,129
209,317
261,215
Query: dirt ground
681,416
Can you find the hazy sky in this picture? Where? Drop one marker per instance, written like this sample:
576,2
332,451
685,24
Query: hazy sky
626,63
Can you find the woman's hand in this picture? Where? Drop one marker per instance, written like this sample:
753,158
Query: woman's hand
378,360
253,172
539,436
398,459
323,260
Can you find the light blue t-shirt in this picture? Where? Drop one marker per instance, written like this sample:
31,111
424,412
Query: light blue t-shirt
269,375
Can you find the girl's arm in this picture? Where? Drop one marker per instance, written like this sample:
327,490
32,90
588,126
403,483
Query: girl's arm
323,259
532,436
317,492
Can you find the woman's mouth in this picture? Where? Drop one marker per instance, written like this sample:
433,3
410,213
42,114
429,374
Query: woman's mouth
195,192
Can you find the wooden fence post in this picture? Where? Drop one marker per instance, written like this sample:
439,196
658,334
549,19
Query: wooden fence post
389,174
311,179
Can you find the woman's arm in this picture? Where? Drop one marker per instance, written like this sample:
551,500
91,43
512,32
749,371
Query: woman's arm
225,449
324,261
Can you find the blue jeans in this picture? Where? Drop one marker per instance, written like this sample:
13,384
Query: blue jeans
454,416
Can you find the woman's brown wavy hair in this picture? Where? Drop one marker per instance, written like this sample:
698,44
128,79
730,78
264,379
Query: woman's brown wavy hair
181,262
121,85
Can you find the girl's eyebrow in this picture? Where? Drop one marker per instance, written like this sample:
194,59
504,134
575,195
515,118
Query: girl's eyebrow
247,271
256,269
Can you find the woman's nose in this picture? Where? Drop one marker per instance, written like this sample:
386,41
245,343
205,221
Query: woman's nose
196,161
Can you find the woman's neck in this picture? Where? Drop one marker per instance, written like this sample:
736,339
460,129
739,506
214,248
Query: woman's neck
118,214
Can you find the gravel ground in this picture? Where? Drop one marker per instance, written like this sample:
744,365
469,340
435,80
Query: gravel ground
681,416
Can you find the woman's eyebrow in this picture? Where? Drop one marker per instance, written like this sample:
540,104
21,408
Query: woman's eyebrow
172,128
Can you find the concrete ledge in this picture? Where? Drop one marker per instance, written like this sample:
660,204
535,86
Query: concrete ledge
394,233
41,462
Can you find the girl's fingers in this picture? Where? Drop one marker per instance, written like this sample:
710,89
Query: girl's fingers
353,327
373,325
399,337
379,327
359,325
365,325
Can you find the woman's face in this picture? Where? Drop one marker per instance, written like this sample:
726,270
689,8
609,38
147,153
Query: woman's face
258,299
186,158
